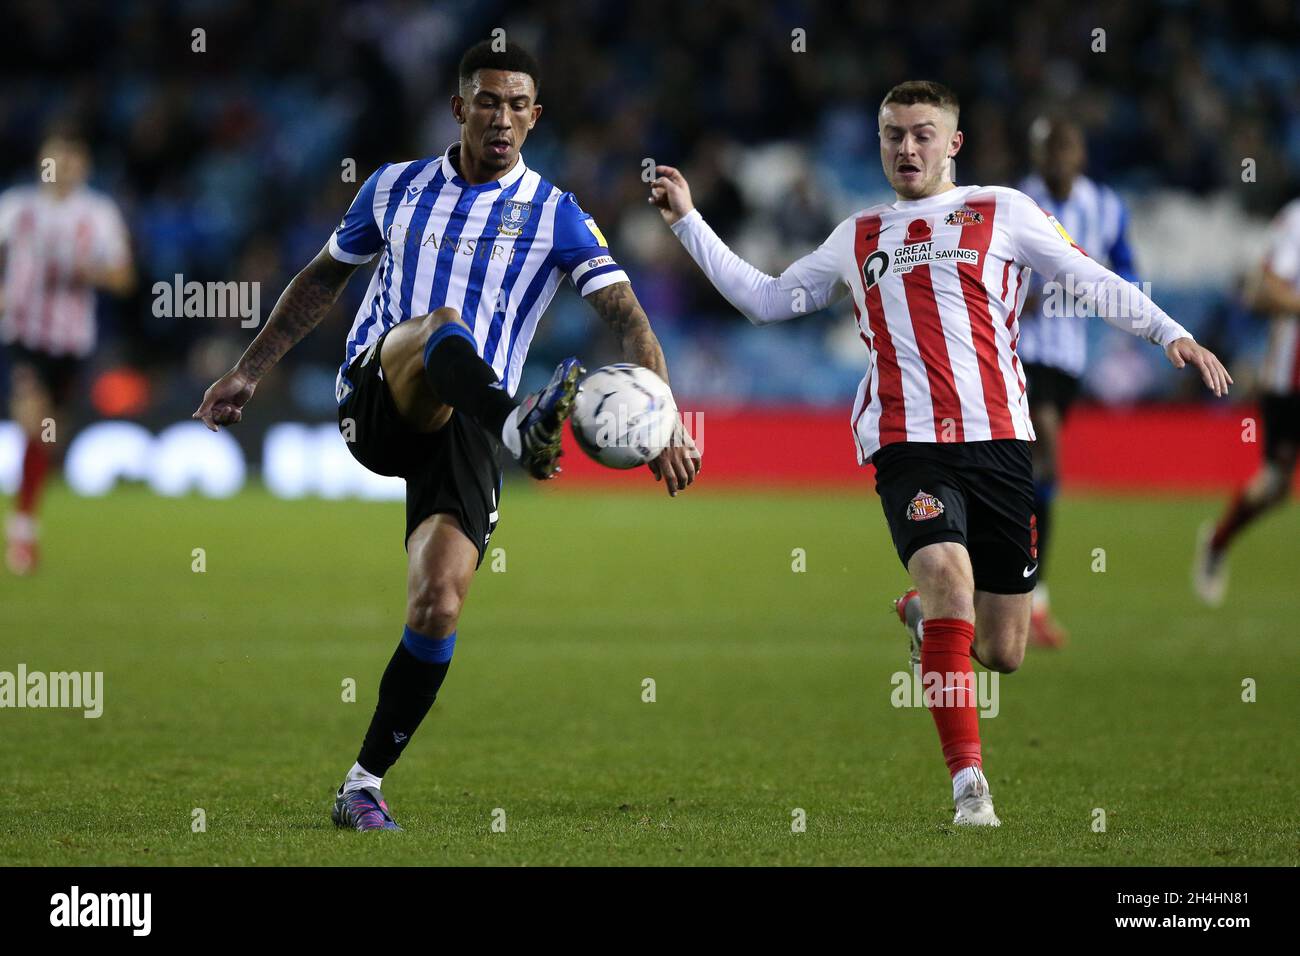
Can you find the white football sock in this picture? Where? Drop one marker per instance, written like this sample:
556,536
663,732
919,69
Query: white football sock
1041,602
358,778
964,778
510,433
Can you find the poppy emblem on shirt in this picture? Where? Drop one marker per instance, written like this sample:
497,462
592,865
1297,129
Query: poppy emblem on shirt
918,230
514,216
923,507
965,216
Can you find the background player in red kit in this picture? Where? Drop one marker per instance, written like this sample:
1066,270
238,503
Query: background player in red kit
938,279
1278,295
61,241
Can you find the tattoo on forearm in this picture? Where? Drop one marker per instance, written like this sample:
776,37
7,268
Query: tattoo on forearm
301,307
618,306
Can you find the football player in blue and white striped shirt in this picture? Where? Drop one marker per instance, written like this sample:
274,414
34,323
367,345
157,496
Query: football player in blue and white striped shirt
1053,340
471,247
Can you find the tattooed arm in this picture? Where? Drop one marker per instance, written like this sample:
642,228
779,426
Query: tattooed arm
679,463
303,304
617,305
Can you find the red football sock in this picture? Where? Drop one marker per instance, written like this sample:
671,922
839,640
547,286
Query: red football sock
945,663
36,465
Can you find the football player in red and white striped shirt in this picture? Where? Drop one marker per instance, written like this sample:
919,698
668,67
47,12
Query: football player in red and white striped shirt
60,241
1277,294
937,280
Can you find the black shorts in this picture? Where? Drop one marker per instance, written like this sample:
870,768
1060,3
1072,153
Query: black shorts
1048,385
1281,415
455,470
978,494
58,374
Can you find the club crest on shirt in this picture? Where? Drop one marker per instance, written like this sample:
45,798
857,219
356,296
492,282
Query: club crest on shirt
965,216
923,507
514,217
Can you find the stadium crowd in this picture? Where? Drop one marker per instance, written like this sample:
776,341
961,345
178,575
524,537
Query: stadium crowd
227,149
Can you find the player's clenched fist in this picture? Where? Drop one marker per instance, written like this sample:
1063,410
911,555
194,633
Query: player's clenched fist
671,194
225,399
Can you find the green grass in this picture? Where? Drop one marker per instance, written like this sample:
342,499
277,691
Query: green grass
223,691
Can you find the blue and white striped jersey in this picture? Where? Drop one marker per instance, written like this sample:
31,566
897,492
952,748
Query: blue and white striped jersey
495,252
1096,219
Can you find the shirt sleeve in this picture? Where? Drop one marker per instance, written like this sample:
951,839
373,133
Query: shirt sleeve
1042,243
358,238
1284,244
581,250
809,284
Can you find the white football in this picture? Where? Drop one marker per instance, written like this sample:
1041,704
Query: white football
624,416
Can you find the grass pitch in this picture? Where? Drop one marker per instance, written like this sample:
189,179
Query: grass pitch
223,690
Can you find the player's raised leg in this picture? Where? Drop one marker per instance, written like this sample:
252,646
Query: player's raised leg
431,364
441,560
945,585
1267,489
1002,630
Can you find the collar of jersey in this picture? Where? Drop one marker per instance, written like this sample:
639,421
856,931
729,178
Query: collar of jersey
947,196
449,171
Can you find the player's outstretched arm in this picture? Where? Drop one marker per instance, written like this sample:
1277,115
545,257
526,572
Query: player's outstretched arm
1128,308
301,307
680,462
1044,245
810,284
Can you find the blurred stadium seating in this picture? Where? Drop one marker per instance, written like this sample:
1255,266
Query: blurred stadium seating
228,163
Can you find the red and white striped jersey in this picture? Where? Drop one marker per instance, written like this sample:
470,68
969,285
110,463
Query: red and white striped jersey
47,242
937,286
1281,373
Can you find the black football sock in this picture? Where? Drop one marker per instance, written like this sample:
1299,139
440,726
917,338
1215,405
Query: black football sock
461,379
406,692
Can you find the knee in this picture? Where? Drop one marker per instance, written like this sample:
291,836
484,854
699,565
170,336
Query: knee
1001,647
945,585
1004,658
439,317
433,609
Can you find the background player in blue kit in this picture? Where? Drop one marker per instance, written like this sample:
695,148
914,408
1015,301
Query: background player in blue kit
472,246
1053,333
